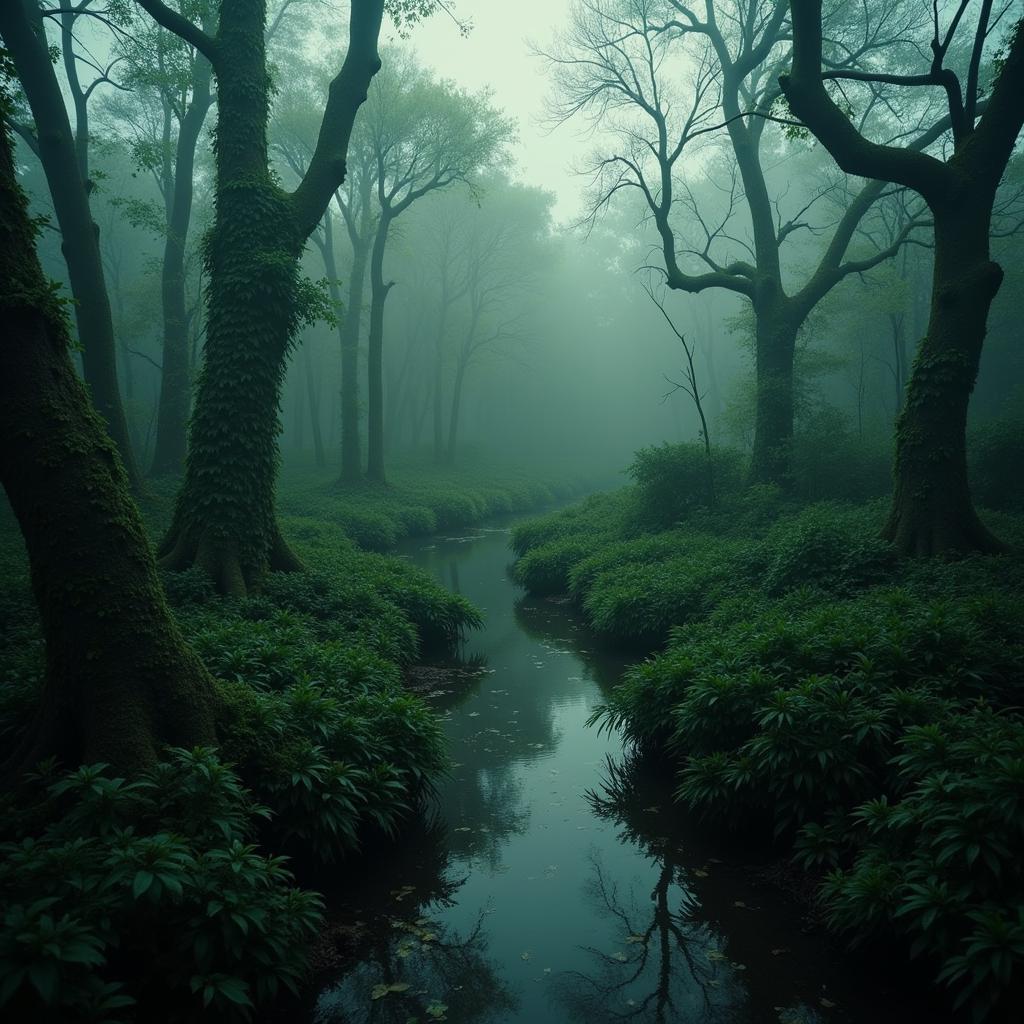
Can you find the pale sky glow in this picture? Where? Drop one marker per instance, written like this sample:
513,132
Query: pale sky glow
497,53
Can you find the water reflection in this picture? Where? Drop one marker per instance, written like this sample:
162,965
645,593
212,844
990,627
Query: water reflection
559,883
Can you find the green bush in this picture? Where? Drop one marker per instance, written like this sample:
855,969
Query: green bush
995,454
832,463
144,899
880,736
674,479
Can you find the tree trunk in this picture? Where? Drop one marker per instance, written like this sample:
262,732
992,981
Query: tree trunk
771,462
932,509
453,416
224,519
375,357
120,681
313,400
21,26
175,374
348,332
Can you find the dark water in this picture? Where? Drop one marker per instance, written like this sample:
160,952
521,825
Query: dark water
553,886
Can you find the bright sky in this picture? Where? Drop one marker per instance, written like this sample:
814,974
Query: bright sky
497,53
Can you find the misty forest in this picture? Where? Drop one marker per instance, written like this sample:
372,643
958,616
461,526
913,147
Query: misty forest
513,512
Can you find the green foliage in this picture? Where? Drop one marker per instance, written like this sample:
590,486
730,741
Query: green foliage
847,468
878,734
417,502
634,587
674,479
995,455
144,897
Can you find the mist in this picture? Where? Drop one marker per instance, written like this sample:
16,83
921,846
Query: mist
513,512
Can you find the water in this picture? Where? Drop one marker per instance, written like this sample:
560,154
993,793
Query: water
553,886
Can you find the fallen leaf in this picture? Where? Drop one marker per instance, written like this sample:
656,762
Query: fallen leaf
380,991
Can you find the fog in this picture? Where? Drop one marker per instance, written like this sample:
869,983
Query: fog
583,367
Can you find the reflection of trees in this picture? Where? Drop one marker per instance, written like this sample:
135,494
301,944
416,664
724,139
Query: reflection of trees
431,972
664,974
675,966
398,943
671,967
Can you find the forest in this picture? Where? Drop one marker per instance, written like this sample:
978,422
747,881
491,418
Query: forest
512,512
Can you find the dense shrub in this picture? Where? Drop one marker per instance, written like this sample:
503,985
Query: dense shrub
634,587
144,899
417,502
995,455
848,468
881,735
674,479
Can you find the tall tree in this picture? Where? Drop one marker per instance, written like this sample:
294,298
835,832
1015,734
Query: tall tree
166,72
498,250
120,681
294,136
619,65
64,156
932,509
225,518
425,136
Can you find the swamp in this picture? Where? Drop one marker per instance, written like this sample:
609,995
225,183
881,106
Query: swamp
513,514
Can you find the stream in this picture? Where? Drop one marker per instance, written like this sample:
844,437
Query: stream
550,885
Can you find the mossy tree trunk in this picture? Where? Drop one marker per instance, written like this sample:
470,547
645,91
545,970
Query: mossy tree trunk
932,509
120,682
21,26
225,518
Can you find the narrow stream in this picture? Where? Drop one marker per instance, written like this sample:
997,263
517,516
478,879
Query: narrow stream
543,891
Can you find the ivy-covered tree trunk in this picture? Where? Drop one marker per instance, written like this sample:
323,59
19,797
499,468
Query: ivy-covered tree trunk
176,370
120,682
21,26
224,520
932,509
375,356
775,347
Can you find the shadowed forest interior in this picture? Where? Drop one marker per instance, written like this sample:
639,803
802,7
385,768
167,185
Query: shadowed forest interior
514,513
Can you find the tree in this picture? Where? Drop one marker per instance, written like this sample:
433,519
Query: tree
617,65
295,137
425,136
932,509
120,681
170,75
492,256
64,156
224,518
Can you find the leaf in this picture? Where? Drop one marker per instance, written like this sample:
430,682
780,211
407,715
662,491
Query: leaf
143,880
380,991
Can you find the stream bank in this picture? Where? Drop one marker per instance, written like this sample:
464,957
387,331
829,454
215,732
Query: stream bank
552,883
